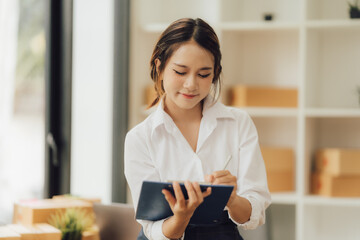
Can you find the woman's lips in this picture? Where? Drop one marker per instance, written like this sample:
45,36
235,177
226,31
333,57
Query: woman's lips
188,96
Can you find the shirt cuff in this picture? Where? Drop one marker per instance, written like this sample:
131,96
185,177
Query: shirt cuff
256,217
157,232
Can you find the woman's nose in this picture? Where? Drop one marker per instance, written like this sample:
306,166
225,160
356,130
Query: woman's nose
190,83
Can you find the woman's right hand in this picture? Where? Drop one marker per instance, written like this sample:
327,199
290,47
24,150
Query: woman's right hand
182,208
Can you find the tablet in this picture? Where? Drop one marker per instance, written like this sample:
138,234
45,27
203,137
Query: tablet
153,206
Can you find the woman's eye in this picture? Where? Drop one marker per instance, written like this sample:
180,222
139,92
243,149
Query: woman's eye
204,76
180,73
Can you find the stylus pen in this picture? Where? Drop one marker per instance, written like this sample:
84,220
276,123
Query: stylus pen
227,162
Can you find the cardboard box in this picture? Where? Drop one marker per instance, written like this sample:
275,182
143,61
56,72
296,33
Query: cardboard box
48,232
251,96
67,197
8,234
24,232
91,234
335,186
338,162
39,211
280,168
40,231
281,181
278,158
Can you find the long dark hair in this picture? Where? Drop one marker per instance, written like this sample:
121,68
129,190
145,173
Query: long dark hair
178,32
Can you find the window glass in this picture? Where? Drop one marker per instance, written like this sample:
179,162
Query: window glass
22,102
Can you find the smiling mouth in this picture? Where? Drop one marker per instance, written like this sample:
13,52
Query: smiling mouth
189,96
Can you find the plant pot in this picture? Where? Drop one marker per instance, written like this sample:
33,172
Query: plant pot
354,13
71,235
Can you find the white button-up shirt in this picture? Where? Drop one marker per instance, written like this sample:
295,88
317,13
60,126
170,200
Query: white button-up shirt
156,150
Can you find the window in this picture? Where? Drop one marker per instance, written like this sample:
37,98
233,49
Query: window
22,67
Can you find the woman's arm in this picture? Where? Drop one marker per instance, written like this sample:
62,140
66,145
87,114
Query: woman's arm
239,208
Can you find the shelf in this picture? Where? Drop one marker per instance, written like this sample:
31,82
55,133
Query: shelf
311,45
258,26
332,201
155,27
334,24
271,112
284,198
252,111
329,112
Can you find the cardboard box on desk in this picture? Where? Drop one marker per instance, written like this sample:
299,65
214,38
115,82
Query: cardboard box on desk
251,96
39,211
338,161
335,186
8,234
41,231
280,168
67,197
91,234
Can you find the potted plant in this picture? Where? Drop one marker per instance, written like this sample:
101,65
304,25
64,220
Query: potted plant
354,9
72,222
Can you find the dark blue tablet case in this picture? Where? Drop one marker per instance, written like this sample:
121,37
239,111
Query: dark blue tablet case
153,205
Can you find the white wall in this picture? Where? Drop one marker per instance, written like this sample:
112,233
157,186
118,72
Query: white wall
92,99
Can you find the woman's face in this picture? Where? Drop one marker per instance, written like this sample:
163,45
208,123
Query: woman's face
187,76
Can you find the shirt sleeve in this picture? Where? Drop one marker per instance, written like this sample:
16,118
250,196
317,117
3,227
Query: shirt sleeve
252,180
139,167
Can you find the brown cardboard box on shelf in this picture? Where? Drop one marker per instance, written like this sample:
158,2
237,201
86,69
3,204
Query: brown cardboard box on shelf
41,231
252,96
150,94
335,186
338,161
7,234
91,234
39,211
280,168
280,181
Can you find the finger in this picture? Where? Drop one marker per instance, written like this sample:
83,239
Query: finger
191,192
221,173
228,179
169,198
207,192
198,191
178,194
209,178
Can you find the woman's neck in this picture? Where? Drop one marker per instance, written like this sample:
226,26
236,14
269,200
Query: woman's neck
180,115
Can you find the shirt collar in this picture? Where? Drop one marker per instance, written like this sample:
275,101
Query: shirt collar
215,109
211,110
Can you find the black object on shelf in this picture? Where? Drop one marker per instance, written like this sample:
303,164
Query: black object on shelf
354,13
268,16
354,9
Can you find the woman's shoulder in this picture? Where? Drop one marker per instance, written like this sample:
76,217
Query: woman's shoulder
142,129
237,113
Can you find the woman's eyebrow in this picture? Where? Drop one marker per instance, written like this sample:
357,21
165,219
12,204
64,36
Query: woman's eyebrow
184,66
180,65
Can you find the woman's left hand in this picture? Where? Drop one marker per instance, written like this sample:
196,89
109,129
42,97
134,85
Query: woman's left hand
224,177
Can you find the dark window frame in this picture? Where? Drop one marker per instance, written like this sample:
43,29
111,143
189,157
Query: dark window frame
121,96
58,81
58,88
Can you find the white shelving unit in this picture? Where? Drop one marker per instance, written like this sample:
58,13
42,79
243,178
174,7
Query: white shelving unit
311,45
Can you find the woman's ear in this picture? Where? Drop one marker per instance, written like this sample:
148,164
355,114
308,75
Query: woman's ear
157,64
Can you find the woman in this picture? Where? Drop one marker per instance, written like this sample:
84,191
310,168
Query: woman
190,136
